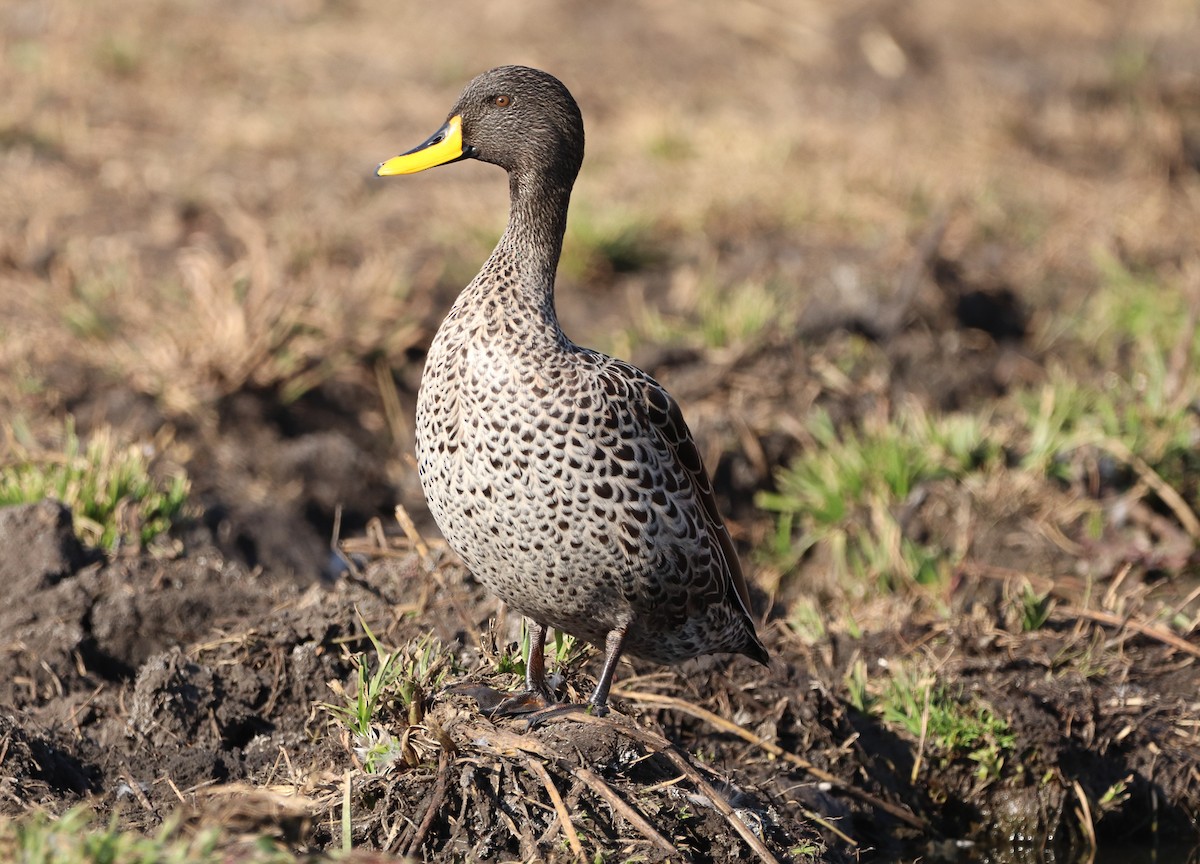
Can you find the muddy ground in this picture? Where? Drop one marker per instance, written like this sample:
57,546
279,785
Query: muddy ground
931,196
190,681
148,687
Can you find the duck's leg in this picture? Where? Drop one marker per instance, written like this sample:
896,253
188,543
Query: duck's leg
613,643
536,695
598,704
535,666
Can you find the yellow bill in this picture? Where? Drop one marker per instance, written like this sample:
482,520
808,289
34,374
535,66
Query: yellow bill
445,145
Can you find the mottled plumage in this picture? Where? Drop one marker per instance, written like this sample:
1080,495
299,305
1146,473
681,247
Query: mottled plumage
566,480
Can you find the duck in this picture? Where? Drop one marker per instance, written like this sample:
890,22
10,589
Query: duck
566,480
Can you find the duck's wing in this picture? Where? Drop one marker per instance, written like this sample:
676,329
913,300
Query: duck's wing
662,413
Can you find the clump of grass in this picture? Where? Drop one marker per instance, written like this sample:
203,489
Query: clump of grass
670,146
119,55
279,310
1132,307
567,650
389,694
74,839
951,725
564,650
1133,423
846,491
1140,329
510,662
90,313
598,249
1035,609
738,315
717,316
1115,795
806,621
1067,418
857,692
116,498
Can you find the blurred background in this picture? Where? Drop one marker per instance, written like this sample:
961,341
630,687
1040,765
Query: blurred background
923,274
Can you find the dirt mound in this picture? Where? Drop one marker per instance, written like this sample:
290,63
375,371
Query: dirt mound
147,687
39,770
499,792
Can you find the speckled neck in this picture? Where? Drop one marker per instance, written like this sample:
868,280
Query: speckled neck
518,279
538,218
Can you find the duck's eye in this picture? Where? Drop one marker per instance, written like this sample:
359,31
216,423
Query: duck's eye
502,101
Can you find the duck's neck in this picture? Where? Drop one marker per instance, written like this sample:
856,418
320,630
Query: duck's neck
518,279
537,220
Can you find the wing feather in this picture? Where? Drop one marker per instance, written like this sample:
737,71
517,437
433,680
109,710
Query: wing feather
666,417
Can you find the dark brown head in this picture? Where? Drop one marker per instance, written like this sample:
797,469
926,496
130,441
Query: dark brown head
522,119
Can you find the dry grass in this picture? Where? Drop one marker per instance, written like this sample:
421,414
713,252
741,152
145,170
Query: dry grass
187,205
186,202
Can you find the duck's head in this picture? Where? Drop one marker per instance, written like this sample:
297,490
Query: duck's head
522,119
